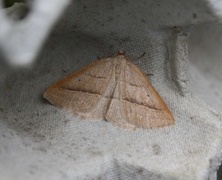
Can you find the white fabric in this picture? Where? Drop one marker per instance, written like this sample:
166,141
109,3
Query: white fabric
40,141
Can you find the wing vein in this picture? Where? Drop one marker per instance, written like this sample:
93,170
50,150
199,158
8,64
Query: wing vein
140,104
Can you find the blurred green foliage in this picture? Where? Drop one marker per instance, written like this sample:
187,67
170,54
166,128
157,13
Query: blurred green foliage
9,3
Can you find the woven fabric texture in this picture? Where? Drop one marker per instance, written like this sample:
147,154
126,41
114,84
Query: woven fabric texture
40,141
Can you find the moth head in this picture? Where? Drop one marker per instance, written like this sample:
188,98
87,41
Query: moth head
121,53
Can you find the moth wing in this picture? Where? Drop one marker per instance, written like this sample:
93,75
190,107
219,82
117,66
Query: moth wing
136,103
142,105
115,111
82,93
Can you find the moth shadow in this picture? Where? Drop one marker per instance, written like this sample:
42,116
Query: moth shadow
42,100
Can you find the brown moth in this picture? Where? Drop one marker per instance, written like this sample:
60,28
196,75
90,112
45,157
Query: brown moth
113,89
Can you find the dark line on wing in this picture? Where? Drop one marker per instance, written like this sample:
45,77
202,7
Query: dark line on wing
80,90
146,87
99,77
141,104
111,97
132,84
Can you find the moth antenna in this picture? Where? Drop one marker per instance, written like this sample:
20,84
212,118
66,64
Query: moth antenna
149,74
140,56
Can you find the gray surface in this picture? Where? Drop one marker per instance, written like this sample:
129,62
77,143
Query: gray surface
39,141
206,65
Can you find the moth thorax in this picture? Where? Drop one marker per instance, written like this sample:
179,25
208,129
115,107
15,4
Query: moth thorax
119,65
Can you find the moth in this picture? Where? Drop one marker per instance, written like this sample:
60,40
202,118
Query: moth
113,89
